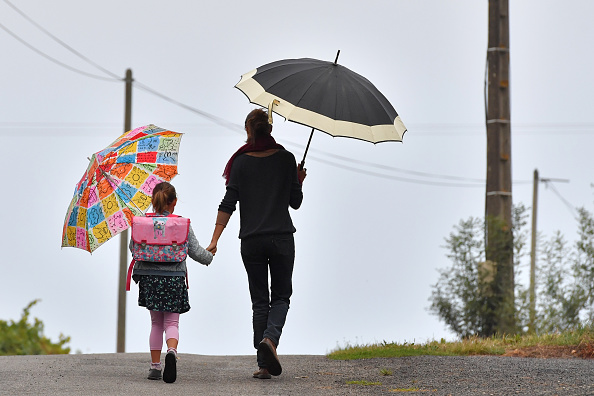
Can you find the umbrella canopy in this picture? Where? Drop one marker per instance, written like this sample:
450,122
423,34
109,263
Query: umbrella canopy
118,184
325,96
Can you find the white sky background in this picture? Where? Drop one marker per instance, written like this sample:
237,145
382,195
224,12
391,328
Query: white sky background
368,247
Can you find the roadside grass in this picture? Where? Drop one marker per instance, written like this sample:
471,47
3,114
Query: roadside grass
574,343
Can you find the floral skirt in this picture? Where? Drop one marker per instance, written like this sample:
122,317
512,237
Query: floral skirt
163,293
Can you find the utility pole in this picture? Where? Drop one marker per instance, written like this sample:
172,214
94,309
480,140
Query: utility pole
121,331
498,200
532,313
532,289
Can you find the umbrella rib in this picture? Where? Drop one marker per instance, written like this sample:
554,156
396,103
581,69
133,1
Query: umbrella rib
304,93
114,185
311,84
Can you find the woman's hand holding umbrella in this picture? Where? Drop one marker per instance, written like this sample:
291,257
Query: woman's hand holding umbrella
301,174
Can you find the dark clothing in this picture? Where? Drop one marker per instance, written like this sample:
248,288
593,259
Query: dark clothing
262,144
163,293
269,309
265,188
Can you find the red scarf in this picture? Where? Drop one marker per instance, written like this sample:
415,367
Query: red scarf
262,144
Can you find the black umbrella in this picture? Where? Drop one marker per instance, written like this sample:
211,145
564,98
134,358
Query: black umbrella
325,96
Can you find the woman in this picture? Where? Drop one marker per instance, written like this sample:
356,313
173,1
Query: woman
263,177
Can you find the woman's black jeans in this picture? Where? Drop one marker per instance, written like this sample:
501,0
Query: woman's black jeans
261,253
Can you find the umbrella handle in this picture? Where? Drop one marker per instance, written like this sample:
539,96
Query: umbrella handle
302,164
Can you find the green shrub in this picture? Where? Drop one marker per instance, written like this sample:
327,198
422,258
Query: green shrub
24,338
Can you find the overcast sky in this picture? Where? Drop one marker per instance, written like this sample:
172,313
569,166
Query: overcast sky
371,230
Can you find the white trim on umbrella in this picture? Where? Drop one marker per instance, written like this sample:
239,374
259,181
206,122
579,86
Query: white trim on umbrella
374,134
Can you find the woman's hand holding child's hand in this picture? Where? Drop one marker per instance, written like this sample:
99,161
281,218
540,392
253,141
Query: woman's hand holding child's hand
212,248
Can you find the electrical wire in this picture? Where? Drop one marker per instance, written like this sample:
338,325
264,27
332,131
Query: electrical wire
53,59
447,130
401,170
237,128
588,126
558,194
419,129
56,39
217,120
397,178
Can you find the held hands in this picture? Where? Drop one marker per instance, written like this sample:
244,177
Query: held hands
212,248
220,224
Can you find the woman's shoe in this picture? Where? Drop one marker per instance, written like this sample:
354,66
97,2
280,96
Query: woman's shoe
267,351
262,374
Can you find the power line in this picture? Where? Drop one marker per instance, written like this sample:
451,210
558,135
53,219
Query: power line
401,170
53,59
397,178
69,48
239,129
213,118
571,208
519,129
422,129
581,127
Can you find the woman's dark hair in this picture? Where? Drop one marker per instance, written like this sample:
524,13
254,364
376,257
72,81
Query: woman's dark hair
163,195
257,123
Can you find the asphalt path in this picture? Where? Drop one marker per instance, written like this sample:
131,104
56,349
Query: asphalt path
125,374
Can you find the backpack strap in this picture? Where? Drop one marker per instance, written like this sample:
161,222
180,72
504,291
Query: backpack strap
129,276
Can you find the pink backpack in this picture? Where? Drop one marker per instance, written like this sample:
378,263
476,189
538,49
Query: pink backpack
161,239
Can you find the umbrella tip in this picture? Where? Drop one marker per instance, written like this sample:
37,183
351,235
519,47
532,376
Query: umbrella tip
336,60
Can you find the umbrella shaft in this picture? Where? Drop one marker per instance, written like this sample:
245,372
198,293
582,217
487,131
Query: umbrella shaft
302,164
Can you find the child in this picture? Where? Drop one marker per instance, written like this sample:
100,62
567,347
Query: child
163,290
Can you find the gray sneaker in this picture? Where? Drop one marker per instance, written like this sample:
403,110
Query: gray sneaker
154,374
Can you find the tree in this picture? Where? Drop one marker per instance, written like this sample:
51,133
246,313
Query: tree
457,297
465,292
584,263
24,338
564,287
560,299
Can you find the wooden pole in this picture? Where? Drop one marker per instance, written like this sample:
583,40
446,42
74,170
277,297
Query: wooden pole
121,331
498,200
532,314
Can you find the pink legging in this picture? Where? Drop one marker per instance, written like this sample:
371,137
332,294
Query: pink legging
167,322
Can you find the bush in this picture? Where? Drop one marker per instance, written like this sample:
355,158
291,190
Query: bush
24,338
564,287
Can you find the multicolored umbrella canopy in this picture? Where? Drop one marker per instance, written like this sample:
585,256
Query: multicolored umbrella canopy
118,184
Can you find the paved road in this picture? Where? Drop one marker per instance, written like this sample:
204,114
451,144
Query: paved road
125,374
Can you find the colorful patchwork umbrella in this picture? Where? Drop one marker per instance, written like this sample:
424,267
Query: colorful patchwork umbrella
118,184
